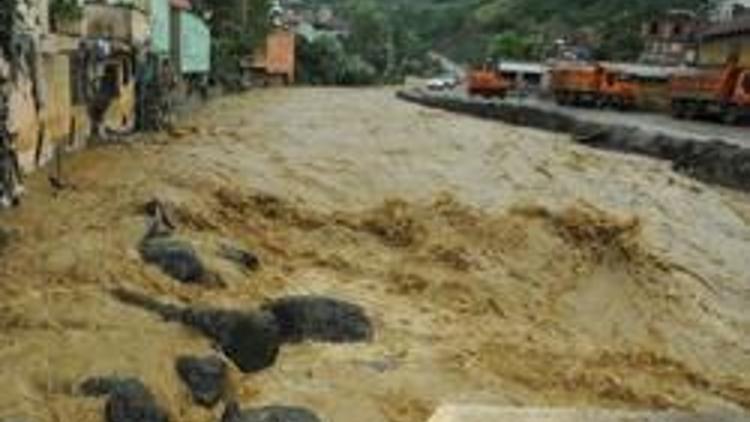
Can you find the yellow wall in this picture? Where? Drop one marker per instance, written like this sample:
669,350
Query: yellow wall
121,112
65,124
715,52
23,120
58,103
60,116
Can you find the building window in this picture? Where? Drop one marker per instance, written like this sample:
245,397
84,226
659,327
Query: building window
654,28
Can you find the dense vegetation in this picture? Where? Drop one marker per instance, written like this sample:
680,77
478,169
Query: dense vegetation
235,30
394,35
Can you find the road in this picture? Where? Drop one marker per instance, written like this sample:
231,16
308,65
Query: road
500,265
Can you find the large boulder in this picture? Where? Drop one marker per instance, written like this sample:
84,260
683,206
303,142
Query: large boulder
206,378
319,318
233,413
175,257
251,340
128,400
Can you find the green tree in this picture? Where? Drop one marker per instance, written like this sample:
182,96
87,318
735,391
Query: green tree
511,45
237,27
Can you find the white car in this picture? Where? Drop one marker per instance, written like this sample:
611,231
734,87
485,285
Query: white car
442,83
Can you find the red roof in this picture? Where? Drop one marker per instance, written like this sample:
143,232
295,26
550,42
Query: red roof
181,4
734,27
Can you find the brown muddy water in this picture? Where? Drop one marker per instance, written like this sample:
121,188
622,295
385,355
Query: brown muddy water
499,265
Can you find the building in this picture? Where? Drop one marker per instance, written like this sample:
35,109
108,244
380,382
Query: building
273,63
671,39
725,40
525,76
67,74
726,10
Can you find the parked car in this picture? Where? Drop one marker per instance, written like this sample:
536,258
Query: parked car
443,83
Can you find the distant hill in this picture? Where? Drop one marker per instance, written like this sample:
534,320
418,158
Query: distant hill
467,28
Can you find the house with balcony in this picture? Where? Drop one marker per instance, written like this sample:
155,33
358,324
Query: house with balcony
671,39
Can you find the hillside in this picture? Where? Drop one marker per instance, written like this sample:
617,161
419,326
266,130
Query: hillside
468,28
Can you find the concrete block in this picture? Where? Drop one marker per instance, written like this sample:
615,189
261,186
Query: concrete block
477,413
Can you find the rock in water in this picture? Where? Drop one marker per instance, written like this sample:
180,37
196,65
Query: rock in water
129,400
253,342
320,319
268,414
175,257
250,339
205,377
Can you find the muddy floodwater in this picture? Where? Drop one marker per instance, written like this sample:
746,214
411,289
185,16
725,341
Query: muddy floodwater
498,264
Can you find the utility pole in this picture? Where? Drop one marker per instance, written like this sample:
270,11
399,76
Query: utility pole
244,10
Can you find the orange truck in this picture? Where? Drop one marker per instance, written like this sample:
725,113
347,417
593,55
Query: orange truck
721,92
487,82
592,84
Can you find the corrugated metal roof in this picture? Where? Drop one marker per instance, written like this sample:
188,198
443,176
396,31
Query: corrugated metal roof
522,67
733,27
642,70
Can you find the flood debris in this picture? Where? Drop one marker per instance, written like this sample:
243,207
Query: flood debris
247,260
320,318
128,399
233,413
250,340
206,378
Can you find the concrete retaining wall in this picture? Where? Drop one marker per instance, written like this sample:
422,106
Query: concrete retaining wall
716,161
469,413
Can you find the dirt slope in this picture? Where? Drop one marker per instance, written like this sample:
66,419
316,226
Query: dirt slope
499,264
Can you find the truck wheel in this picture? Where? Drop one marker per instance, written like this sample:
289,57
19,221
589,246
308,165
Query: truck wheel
690,110
676,109
730,115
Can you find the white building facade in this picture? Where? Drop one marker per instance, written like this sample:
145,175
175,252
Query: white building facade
725,10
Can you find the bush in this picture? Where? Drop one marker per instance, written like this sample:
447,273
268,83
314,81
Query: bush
357,71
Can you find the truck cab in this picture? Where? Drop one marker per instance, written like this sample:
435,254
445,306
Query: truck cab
742,90
738,107
486,81
619,89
